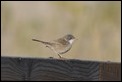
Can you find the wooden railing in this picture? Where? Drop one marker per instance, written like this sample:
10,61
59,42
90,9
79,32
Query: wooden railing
50,69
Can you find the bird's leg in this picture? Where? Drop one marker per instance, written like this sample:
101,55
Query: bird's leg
59,56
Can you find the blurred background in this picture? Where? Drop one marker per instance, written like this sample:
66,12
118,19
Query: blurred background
96,25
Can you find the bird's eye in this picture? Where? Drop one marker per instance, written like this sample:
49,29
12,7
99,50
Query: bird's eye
69,37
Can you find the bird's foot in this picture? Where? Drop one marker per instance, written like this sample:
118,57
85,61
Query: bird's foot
51,57
62,58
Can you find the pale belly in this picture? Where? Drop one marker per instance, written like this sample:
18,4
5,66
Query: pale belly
62,50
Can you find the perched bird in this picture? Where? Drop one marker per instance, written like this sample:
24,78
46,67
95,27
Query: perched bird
61,45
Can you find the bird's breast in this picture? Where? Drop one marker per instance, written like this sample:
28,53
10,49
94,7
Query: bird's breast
61,49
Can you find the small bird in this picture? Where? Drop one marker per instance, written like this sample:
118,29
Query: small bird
61,45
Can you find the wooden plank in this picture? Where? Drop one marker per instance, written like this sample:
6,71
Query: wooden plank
30,69
110,71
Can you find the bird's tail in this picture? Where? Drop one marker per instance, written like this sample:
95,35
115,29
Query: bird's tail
41,41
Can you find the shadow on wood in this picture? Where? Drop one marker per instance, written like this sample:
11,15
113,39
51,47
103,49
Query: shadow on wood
30,69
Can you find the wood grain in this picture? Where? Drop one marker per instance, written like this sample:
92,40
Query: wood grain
110,71
30,69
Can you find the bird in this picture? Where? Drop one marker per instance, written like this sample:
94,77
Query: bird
60,45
